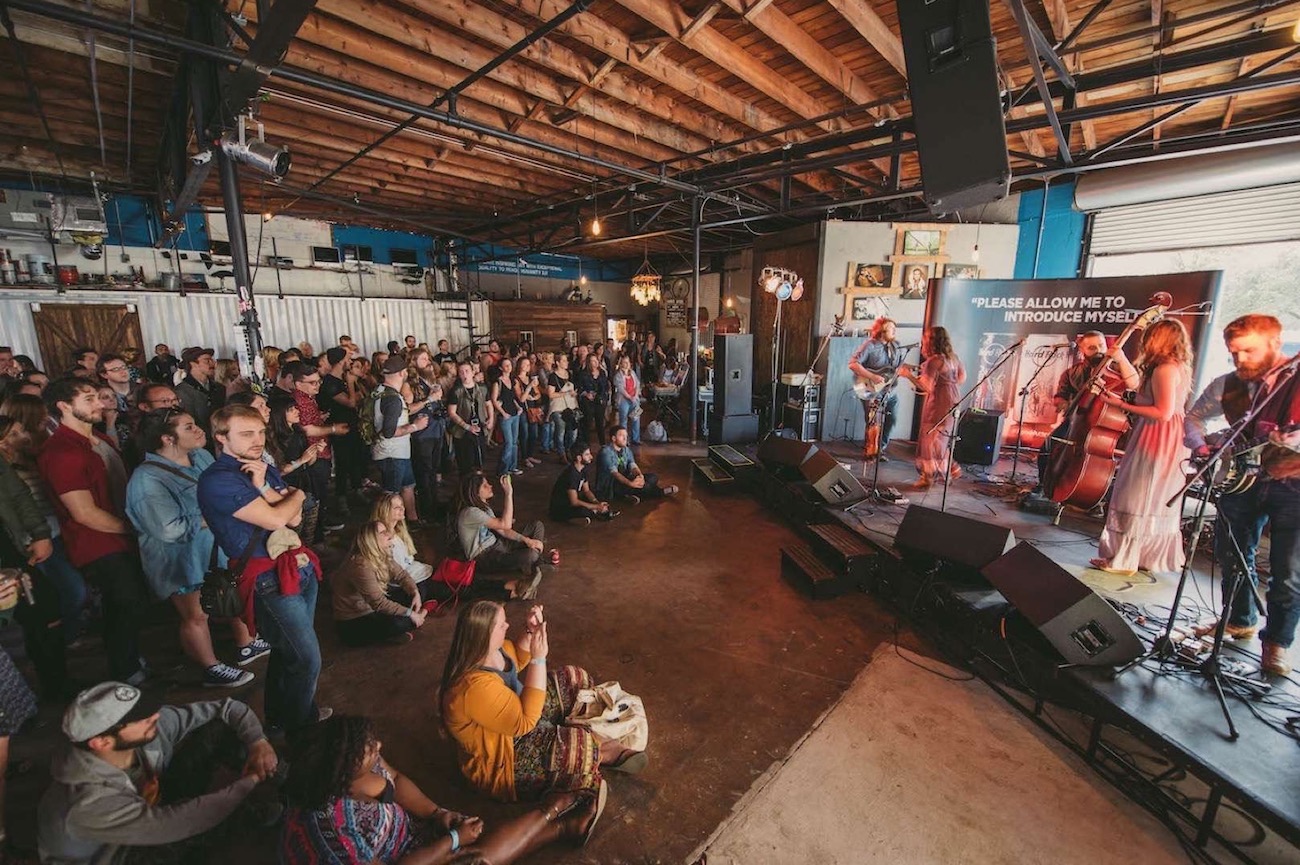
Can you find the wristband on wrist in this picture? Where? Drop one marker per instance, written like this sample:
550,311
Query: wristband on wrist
455,839
264,488
538,661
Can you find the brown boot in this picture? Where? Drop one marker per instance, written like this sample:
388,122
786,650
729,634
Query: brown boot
1232,632
1275,661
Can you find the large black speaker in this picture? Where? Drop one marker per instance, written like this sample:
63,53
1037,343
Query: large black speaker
979,438
1078,622
733,374
783,456
733,429
952,80
941,535
834,483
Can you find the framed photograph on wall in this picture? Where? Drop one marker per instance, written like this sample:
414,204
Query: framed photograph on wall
862,309
526,336
916,281
869,276
571,337
961,271
922,242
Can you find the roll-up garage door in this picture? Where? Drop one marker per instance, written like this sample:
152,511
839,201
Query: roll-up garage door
1264,215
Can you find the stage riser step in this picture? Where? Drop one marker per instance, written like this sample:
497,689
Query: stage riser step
711,473
843,550
801,566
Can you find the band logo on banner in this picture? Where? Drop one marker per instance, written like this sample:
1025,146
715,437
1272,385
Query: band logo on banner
1037,321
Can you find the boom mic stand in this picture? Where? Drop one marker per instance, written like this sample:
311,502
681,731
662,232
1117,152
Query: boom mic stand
1212,667
1020,423
956,410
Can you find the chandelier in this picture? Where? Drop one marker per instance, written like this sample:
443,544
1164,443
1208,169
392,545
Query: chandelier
645,284
785,284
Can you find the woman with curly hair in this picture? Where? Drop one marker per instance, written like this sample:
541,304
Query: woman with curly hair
507,715
939,377
348,805
1141,530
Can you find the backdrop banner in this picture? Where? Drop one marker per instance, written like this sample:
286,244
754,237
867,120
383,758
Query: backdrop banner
1036,322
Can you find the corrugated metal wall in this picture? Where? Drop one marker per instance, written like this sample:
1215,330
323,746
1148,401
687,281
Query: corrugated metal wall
1267,215
209,320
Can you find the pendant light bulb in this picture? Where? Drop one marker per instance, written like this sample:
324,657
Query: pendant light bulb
975,254
595,226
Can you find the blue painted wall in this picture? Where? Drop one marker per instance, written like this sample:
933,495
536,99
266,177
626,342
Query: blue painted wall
382,242
1062,236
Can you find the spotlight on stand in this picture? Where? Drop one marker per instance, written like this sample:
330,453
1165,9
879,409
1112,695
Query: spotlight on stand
256,153
781,282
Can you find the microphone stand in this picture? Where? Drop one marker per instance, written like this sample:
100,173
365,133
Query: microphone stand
1212,667
956,411
1020,423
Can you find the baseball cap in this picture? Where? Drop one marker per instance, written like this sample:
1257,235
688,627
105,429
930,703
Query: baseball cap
395,363
108,704
194,353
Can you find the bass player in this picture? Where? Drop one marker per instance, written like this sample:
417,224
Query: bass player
1119,377
1255,343
875,363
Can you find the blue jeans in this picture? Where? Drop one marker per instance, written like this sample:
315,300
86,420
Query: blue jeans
509,444
1242,518
544,429
562,435
285,621
71,588
529,433
625,409
888,418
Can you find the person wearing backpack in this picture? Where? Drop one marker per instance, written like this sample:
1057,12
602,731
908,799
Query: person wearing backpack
390,428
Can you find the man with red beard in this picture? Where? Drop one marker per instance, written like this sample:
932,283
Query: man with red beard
1255,342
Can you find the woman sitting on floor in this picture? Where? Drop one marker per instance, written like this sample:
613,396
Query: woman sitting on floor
364,609
390,511
507,717
491,542
348,806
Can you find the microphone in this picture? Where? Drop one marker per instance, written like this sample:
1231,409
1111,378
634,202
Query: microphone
909,345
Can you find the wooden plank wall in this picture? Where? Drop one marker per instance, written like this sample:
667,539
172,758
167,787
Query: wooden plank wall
797,250
548,321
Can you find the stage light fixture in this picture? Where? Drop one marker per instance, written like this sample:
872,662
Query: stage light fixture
785,284
256,152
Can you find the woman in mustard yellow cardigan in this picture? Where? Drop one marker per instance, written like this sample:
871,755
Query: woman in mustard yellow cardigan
507,715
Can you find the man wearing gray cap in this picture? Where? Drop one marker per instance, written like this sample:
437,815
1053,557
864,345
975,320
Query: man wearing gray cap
138,775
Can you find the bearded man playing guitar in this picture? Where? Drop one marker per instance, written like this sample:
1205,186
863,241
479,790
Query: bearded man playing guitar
875,363
1119,377
1255,342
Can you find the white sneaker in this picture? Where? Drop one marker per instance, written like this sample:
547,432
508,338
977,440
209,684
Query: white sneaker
225,676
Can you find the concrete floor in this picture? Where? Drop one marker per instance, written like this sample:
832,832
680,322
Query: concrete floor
681,601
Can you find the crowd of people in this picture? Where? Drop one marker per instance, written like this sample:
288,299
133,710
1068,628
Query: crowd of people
123,483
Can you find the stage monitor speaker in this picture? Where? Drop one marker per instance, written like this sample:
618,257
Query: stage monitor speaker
1082,626
834,483
979,438
783,456
962,540
952,80
733,374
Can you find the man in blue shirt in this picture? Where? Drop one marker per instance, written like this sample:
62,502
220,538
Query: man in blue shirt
876,363
243,501
618,476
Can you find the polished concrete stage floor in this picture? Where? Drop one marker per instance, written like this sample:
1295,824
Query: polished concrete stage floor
680,600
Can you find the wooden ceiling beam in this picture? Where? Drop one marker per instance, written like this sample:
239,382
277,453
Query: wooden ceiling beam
1058,16
622,104
510,88
1030,137
1228,110
669,17
782,30
877,33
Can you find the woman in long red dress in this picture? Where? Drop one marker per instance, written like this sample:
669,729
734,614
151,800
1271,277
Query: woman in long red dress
1142,532
939,377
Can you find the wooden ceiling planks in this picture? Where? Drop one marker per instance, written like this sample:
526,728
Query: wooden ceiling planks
635,82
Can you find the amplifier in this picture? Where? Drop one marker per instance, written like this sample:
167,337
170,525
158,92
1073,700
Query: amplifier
805,395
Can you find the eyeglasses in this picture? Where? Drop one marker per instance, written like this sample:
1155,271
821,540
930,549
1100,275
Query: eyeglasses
115,368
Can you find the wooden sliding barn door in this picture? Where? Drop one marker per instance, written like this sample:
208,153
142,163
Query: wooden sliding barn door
62,327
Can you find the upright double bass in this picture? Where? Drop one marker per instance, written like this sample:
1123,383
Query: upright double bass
1082,464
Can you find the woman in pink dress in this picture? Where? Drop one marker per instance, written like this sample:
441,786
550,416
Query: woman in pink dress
1142,532
939,377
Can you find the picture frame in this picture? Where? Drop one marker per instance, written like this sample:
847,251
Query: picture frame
916,280
864,275
861,308
922,242
525,336
961,271
571,336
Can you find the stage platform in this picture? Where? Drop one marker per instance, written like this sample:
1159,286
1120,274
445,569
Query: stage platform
1169,709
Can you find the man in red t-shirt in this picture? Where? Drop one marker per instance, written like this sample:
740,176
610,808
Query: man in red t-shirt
88,480
315,423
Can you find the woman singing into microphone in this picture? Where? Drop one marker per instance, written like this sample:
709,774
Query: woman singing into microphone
939,377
